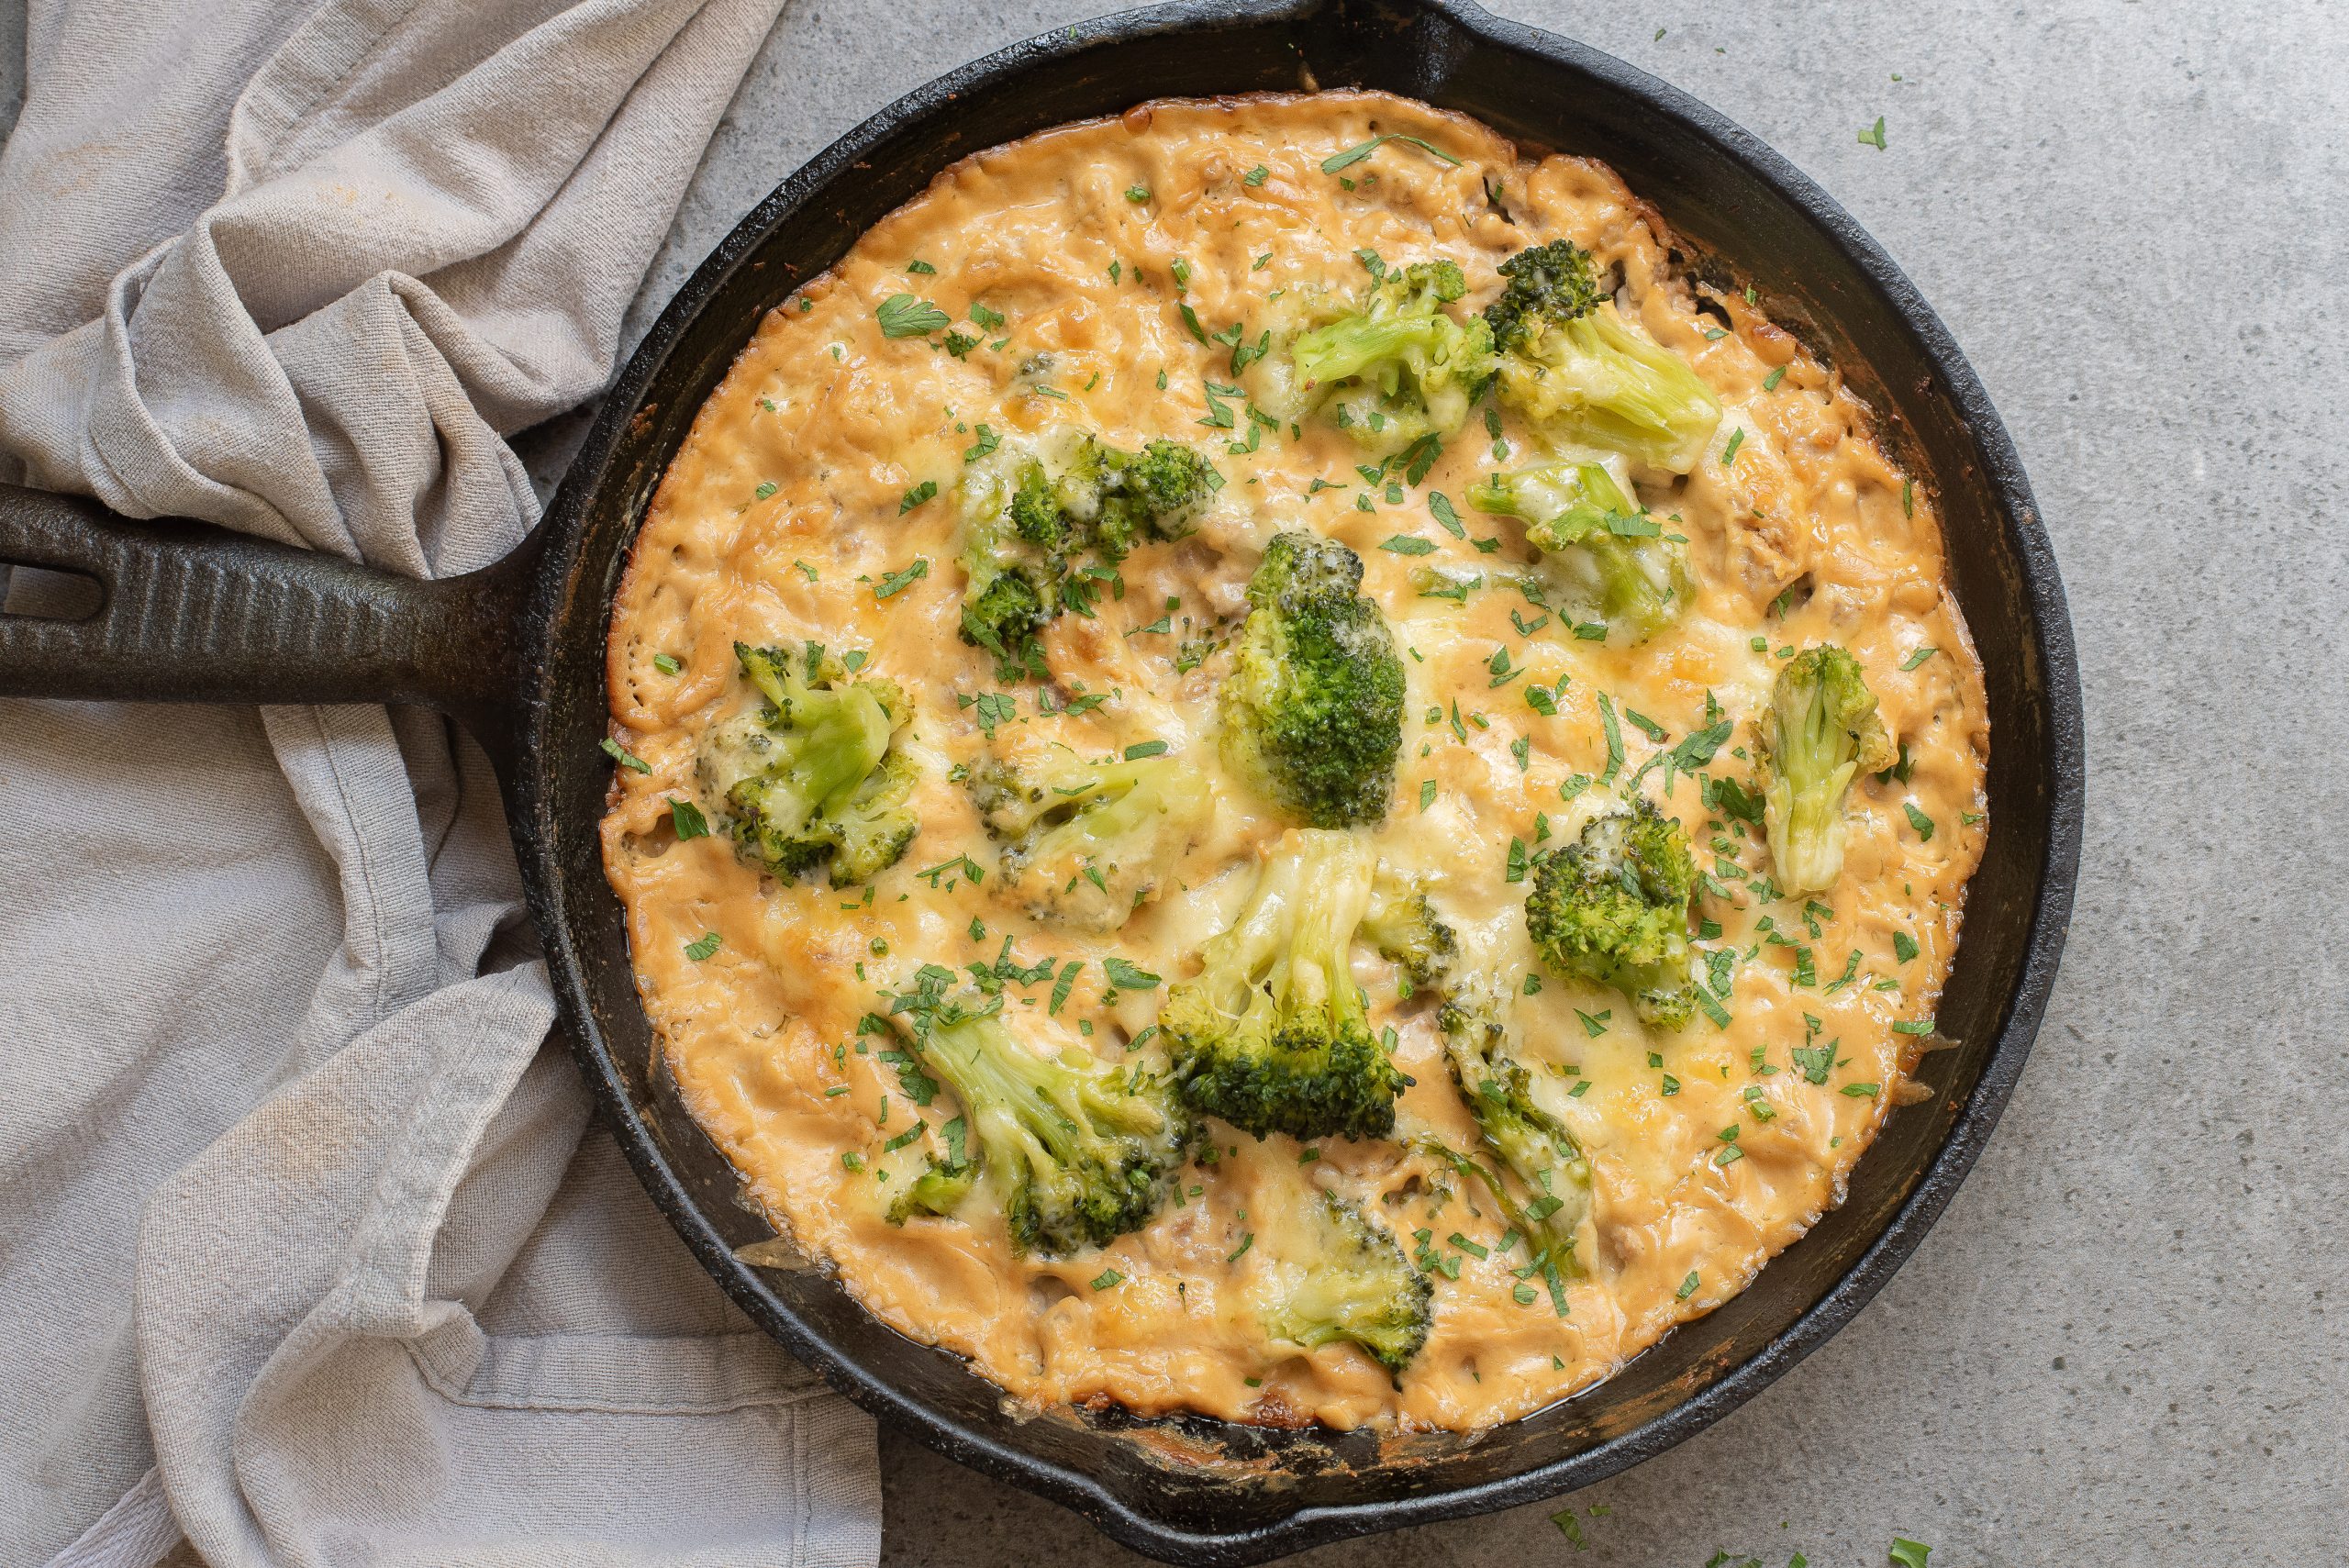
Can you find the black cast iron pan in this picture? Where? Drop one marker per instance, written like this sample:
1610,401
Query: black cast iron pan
517,653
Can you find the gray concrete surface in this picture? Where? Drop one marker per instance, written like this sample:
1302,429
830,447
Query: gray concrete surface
2128,1342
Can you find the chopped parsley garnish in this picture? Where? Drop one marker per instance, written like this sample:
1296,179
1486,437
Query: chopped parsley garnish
1256,176
1874,135
624,757
988,440
1770,382
699,950
1698,748
1919,657
898,582
1918,820
687,820
1736,439
1417,458
1815,1062
1107,1278
1126,976
666,663
910,315
993,708
1141,748
926,490
1354,155
960,865
1408,544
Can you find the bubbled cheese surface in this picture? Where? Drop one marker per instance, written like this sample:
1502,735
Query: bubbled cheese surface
786,512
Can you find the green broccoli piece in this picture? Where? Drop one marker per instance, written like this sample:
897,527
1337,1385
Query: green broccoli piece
1002,612
810,775
1612,907
1312,713
1272,1035
1349,1283
1029,520
1015,559
1398,367
1821,731
1156,493
1404,926
1569,361
1604,554
1089,843
1535,1146
1074,1151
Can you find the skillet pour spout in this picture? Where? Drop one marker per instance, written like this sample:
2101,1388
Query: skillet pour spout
517,653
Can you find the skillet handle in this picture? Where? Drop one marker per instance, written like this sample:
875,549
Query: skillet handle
191,613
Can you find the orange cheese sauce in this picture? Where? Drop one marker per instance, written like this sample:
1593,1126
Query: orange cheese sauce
798,496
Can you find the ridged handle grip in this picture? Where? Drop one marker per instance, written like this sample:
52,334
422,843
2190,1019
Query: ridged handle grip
192,612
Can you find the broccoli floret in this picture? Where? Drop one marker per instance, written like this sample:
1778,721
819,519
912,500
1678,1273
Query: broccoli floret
1349,1283
1014,558
1312,713
1272,1035
809,776
1398,367
1155,492
1607,557
1535,1146
1089,843
1612,907
1078,1152
1030,519
1404,926
1820,732
1568,360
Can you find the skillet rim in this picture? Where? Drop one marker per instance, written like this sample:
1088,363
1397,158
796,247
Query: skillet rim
569,589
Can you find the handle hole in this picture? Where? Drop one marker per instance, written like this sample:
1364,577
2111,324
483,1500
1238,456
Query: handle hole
44,594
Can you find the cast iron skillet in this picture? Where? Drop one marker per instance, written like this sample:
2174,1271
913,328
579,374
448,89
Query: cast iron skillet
517,653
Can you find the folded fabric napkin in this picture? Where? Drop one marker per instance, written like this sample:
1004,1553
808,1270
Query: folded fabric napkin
303,1254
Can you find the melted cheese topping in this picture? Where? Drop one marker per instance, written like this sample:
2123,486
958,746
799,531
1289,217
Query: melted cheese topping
796,497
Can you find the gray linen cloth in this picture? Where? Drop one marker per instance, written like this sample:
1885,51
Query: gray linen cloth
302,1253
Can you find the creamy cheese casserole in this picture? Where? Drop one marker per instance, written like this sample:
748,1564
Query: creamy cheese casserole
1562,902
